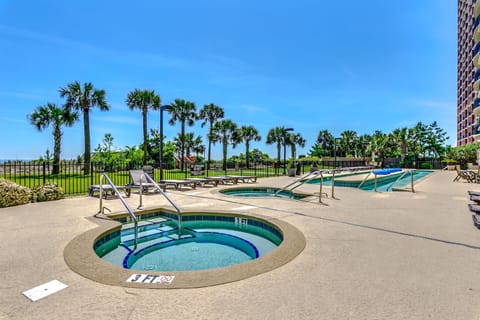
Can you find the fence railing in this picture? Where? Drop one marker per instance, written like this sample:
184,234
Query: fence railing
72,179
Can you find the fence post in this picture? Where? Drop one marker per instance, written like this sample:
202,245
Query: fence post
44,177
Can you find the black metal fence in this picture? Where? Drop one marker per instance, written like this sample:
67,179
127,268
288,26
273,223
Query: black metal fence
74,181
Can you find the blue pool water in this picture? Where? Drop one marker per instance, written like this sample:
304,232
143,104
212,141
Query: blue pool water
207,241
387,180
261,192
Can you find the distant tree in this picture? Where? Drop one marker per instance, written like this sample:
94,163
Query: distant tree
325,144
183,112
84,99
144,100
225,132
190,142
276,136
247,134
435,140
399,139
348,142
294,139
52,115
210,113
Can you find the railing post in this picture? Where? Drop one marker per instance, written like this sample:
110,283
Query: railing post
333,184
411,180
375,179
321,188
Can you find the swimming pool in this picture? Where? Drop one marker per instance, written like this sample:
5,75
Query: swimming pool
262,192
387,180
206,241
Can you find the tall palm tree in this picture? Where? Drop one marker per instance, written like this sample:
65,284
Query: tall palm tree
84,98
325,140
225,132
143,100
364,142
275,136
183,112
247,134
210,113
52,115
294,139
400,138
348,142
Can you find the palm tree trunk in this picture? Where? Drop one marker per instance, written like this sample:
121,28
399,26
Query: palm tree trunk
145,134
86,130
57,134
225,146
182,157
209,147
247,151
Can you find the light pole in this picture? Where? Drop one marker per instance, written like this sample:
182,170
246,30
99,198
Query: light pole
285,149
160,159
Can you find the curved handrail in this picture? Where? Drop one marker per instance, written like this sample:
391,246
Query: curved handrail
125,204
365,179
179,212
400,177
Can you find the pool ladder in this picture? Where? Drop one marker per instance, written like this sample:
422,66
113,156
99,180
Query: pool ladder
310,176
174,205
392,184
129,209
399,178
122,200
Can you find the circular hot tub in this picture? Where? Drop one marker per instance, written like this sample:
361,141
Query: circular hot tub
205,249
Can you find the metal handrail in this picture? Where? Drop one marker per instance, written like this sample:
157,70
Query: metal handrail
179,212
300,181
122,200
365,179
400,177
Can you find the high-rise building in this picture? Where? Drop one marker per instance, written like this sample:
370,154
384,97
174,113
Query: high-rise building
468,80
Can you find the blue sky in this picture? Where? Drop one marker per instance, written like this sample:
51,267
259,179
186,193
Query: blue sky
309,65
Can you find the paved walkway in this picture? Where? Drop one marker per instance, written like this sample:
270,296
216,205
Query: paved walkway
368,256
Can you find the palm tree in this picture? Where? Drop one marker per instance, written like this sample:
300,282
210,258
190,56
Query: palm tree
275,135
247,134
225,132
143,100
348,142
84,99
183,112
52,115
210,113
400,138
325,140
364,141
293,140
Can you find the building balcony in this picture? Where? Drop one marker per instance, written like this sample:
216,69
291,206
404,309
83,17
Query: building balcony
476,33
476,85
476,106
476,59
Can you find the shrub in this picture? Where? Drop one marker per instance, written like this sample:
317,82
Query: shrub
12,194
426,165
47,192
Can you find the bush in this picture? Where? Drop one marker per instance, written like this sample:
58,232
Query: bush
12,194
426,165
47,192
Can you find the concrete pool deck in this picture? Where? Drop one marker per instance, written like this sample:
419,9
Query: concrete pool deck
368,255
